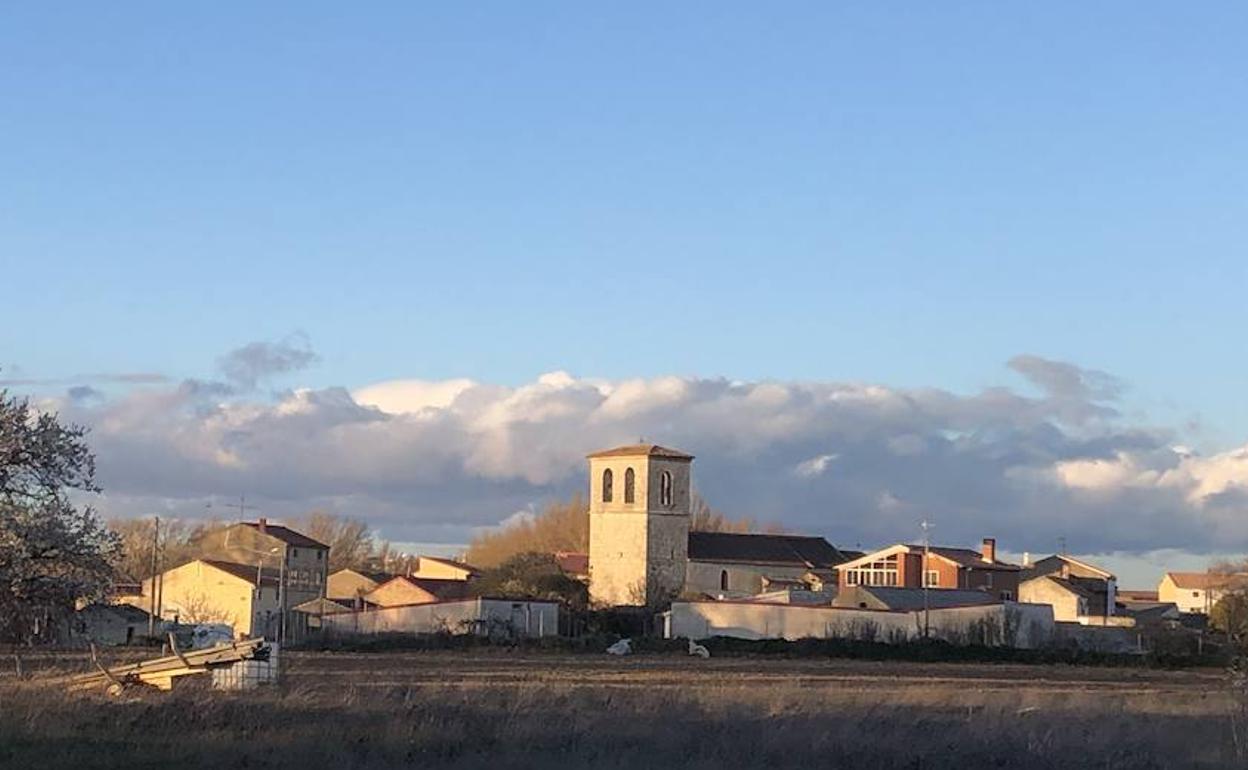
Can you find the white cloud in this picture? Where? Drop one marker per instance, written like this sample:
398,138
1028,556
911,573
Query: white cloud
412,396
432,460
815,466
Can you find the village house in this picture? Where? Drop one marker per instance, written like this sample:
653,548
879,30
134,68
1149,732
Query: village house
731,564
641,549
301,562
940,567
108,624
1198,592
404,590
244,596
1078,592
351,585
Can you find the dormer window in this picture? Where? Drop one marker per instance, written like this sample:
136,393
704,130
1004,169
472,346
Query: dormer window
665,489
629,485
607,479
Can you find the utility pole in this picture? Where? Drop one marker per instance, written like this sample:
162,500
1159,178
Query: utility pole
151,616
927,551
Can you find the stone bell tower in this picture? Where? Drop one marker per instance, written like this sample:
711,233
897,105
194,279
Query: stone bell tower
639,511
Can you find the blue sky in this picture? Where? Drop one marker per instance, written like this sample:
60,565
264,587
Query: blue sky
904,194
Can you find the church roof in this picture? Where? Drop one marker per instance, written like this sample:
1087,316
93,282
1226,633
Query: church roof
650,450
809,552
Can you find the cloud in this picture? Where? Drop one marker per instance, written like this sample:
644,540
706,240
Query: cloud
1079,393
815,466
245,367
431,461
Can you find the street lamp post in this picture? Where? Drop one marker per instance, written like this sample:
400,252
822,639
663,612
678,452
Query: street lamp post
927,551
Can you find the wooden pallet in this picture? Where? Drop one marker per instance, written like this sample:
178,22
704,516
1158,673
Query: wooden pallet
161,672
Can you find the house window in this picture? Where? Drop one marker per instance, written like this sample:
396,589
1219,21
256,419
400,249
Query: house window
629,484
607,478
1195,594
723,580
665,489
988,579
931,578
1007,596
318,555
294,553
882,572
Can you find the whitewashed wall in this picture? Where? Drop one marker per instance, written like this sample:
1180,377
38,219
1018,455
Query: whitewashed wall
748,620
528,618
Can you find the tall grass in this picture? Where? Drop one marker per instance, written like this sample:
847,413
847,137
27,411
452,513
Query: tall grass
615,716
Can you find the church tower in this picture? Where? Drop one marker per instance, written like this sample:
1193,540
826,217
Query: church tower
639,510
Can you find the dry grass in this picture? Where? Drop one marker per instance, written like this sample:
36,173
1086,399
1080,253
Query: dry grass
502,711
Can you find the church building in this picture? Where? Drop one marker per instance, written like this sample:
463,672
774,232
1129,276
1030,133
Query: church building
642,552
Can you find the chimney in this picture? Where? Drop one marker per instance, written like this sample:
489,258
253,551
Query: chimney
989,550
261,525
1026,558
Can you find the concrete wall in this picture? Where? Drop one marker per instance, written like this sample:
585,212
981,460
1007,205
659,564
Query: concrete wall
528,618
746,620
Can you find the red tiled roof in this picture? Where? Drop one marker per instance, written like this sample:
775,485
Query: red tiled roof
573,563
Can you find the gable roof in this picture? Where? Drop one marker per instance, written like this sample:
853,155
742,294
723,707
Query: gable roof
1050,564
638,450
452,563
268,575
1203,581
286,535
809,552
441,589
962,557
376,577
966,557
1070,585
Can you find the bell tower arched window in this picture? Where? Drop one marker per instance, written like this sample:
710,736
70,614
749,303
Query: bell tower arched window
607,478
629,485
665,489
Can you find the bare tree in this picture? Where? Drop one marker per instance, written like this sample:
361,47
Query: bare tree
53,553
350,541
198,608
561,526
